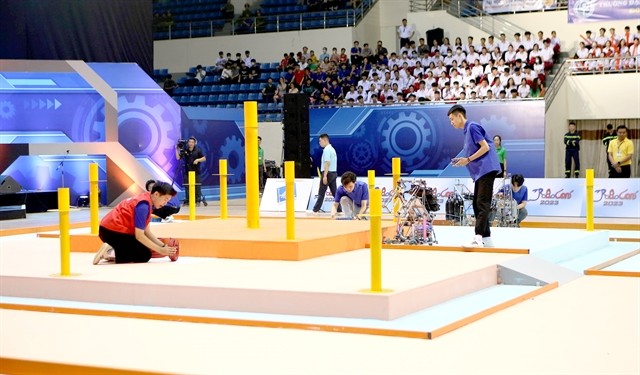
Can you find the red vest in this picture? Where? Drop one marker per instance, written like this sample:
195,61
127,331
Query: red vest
121,218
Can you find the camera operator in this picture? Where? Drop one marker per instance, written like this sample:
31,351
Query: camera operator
192,157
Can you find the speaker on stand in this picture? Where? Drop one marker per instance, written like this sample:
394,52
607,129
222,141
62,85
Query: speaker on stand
296,133
12,202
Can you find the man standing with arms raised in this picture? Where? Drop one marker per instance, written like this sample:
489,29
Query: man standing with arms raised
481,159
329,165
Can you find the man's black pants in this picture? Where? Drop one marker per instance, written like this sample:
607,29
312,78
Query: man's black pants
482,195
331,183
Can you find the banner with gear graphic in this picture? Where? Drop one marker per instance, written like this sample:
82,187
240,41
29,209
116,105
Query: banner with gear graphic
421,135
219,134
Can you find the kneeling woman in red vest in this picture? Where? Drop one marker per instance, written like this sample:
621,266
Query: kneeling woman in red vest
125,229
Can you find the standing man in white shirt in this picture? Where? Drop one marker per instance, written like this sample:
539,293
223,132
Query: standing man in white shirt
329,166
405,33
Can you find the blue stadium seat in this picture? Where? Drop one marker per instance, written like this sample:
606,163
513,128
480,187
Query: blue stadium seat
262,107
178,91
269,117
230,106
193,99
224,88
188,90
275,76
254,86
234,87
222,98
209,79
197,89
271,107
244,87
215,88
261,117
212,99
274,65
240,105
233,98
253,96
243,97
264,76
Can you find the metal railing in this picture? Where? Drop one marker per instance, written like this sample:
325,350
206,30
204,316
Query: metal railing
606,65
427,5
268,23
425,103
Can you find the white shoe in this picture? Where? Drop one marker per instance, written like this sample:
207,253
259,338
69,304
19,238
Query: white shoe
476,242
102,253
168,219
487,241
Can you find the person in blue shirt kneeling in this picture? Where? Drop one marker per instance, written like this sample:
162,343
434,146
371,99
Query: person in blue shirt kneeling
353,196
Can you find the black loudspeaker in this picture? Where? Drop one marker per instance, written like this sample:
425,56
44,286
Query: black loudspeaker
296,133
8,185
435,34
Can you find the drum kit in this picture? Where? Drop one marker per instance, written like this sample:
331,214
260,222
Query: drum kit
414,218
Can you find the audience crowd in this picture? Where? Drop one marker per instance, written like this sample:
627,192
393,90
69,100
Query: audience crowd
608,52
487,69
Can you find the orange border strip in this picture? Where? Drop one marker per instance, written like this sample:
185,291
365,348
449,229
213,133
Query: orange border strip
598,270
44,228
492,310
561,225
221,321
453,248
24,366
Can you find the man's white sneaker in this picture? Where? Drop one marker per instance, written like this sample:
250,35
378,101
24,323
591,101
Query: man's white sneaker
476,242
487,241
168,219
102,253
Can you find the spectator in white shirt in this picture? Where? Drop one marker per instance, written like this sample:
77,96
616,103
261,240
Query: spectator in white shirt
472,55
602,38
503,43
523,89
527,42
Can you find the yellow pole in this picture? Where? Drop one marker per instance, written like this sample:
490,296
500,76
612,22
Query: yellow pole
289,178
93,198
251,163
371,176
589,181
222,163
192,195
376,240
65,239
395,172
94,204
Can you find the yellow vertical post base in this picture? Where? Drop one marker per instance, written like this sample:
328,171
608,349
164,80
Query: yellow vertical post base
589,182
65,239
94,204
224,209
192,195
251,164
289,178
375,197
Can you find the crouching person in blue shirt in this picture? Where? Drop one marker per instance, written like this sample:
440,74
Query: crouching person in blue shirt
353,196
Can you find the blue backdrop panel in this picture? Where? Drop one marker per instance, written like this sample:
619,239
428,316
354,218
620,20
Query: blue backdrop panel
220,136
422,136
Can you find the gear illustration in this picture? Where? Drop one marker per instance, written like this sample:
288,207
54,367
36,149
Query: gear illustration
409,136
499,125
233,150
145,129
7,109
362,156
88,121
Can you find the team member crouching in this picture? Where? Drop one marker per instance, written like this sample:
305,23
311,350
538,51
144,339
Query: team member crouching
165,213
125,229
352,195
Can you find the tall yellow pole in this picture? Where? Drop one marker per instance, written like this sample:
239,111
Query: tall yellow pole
251,163
224,212
192,195
395,172
589,182
371,177
94,204
375,196
65,239
289,178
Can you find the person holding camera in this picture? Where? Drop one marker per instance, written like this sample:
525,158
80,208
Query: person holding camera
191,156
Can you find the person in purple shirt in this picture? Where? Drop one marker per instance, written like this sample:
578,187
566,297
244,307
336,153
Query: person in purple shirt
481,159
352,195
